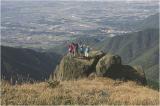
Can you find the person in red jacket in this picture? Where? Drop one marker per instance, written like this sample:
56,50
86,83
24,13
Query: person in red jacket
73,48
70,49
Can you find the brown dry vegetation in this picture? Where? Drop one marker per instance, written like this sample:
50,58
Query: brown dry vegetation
97,91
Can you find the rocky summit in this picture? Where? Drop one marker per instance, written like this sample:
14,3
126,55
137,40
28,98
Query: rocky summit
98,64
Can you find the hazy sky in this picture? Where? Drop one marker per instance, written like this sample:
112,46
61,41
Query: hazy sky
84,0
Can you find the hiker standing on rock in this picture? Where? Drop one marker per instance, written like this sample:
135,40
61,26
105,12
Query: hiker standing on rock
70,49
76,49
87,49
73,48
81,49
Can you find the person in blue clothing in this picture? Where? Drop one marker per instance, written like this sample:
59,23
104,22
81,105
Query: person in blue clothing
81,49
87,50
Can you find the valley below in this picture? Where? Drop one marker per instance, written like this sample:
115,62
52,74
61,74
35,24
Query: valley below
51,23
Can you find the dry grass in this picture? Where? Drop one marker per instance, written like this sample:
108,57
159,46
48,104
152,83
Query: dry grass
97,91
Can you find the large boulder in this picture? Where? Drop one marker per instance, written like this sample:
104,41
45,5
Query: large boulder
76,67
111,66
106,62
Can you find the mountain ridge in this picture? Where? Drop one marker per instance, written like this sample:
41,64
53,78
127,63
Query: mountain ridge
138,48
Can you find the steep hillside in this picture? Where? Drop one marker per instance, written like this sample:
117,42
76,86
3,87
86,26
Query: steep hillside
148,23
138,48
99,91
149,61
25,64
131,45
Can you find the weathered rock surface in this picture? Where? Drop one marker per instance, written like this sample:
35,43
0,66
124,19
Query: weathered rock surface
75,68
111,66
106,63
101,64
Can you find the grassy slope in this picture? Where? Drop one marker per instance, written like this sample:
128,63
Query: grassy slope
84,91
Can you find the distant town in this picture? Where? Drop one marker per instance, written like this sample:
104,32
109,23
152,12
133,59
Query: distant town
51,23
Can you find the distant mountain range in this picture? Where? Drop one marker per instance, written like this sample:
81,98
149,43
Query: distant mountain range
20,64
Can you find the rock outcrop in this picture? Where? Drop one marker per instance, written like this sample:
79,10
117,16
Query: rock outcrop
106,63
75,68
101,64
111,66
